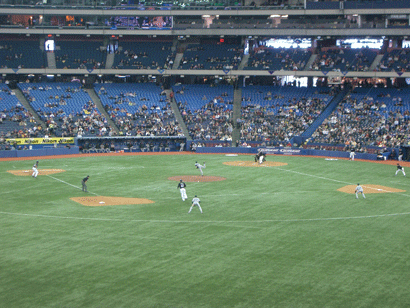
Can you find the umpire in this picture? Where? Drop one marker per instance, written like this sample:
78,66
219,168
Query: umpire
83,183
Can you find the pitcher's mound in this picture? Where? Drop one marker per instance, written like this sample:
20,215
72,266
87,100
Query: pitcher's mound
40,172
370,189
196,178
103,200
253,164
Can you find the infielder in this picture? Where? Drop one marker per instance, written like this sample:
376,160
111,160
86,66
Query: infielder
400,168
200,167
359,189
83,183
35,171
196,202
181,186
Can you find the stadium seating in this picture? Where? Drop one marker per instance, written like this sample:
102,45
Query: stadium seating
66,108
211,56
368,117
206,110
274,115
75,54
342,59
15,120
144,55
278,59
138,109
395,60
22,54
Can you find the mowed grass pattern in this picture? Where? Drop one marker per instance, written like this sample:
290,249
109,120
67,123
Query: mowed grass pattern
268,237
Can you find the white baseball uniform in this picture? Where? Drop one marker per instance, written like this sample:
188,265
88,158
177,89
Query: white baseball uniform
35,171
352,154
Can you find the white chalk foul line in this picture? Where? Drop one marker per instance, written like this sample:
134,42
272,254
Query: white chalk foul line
78,187
208,221
343,182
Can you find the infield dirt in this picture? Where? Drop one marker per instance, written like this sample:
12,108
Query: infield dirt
254,164
40,172
104,200
370,189
196,178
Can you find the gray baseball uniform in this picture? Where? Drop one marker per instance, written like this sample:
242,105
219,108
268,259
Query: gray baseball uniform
359,189
200,167
196,202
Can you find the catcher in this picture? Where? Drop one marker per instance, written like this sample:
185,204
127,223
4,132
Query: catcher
35,170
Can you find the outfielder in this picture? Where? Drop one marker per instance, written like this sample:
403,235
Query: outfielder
196,202
400,168
35,171
359,189
83,183
200,167
181,186
352,154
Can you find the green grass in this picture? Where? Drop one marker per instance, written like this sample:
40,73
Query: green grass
269,237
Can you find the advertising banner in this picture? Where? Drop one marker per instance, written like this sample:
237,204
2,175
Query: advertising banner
19,141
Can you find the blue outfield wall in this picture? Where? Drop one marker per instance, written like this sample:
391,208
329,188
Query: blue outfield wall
40,152
287,151
205,150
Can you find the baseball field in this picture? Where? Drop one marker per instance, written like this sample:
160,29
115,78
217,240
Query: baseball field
289,233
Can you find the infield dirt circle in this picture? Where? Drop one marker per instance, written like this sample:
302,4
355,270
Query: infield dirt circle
40,172
253,164
370,189
196,178
104,201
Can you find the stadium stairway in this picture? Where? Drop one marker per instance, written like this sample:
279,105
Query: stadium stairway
101,108
237,109
309,62
51,60
180,54
178,115
376,62
327,112
244,62
20,96
109,61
